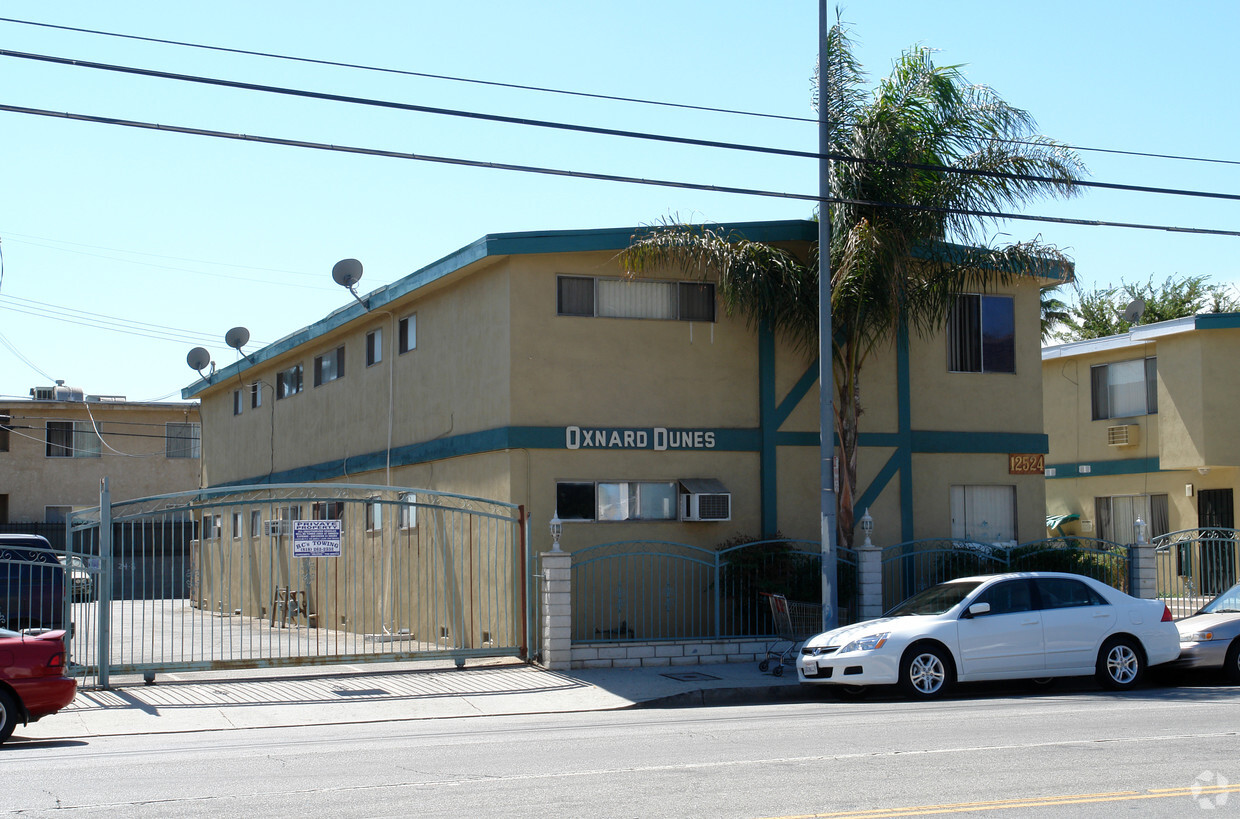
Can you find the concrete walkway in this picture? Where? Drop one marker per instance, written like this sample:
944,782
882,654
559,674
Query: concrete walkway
405,691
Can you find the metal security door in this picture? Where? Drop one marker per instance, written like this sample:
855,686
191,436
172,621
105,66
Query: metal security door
1216,518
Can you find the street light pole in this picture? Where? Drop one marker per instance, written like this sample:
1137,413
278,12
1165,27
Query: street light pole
826,387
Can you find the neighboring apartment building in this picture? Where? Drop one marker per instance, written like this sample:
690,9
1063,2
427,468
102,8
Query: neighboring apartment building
527,368
55,448
1143,425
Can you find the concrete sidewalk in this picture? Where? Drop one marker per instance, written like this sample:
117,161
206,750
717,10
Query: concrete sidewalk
405,691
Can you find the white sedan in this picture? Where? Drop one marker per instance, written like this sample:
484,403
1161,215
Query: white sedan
1029,625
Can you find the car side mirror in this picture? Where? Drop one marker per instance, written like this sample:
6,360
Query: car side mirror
979,608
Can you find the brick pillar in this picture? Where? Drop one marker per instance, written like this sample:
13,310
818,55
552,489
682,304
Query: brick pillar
557,610
1144,571
870,581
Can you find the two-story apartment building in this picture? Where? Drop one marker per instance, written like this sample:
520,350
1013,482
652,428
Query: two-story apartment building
55,448
1143,425
529,368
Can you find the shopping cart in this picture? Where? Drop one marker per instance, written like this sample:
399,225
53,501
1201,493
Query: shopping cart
795,622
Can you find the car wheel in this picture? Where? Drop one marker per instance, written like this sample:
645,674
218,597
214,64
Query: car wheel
8,714
1231,666
925,672
1120,664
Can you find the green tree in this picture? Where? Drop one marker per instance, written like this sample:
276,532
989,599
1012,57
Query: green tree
1100,312
924,153
1055,312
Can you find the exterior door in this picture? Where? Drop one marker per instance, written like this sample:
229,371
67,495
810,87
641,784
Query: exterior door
1216,518
1006,641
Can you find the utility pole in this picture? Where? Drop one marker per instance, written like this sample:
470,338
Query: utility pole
826,407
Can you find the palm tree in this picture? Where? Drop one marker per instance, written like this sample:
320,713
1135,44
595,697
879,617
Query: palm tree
897,212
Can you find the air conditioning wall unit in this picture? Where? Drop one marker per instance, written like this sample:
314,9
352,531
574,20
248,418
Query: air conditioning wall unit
704,499
1122,435
276,528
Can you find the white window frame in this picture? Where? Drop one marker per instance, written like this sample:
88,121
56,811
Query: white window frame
85,442
179,450
408,510
1102,389
622,501
623,298
290,382
374,347
329,367
407,334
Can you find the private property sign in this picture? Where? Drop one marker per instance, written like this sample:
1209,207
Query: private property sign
316,538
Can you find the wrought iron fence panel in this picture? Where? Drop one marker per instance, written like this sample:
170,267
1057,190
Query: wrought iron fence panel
1103,560
1194,565
915,565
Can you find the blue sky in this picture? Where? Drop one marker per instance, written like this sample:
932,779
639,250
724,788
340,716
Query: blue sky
201,235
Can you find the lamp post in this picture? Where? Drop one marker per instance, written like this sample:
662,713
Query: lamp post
557,528
1142,529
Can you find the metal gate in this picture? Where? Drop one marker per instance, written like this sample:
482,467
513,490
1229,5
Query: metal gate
294,575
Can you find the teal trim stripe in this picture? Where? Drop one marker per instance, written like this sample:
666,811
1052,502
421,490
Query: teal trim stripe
491,245
1218,321
1134,466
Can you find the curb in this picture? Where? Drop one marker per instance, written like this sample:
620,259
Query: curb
744,695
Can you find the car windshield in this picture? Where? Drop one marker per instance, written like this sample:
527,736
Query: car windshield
935,600
1227,602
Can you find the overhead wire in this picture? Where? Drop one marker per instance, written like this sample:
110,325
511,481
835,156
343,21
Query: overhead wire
536,169
559,91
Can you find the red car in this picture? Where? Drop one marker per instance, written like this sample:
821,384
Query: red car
32,677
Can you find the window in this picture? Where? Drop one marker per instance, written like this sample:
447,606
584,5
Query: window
236,525
407,333
1066,593
288,382
1008,597
236,402
72,439
374,346
1124,389
211,526
327,510
981,335
408,510
256,395
329,367
374,516
1116,516
182,440
984,514
256,522
629,298
5,421
616,501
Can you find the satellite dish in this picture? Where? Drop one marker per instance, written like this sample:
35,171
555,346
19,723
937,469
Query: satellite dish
198,359
347,272
1132,313
237,337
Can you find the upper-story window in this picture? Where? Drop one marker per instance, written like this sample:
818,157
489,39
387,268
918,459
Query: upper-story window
329,367
407,333
981,334
374,346
72,439
1124,389
237,402
635,298
288,382
5,421
182,440
256,394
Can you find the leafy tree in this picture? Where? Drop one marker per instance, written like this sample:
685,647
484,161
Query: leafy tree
1099,313
1055,312
895,205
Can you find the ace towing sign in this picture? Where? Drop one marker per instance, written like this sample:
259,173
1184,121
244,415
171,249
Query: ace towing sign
316,538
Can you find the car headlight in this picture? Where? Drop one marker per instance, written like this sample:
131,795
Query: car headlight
1197,637
866,643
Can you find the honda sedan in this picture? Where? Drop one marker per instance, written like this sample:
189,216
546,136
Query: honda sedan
1030,625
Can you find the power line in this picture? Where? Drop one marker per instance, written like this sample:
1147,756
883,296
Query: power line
424,75
548,90
403,106
59,311
471,163
602,131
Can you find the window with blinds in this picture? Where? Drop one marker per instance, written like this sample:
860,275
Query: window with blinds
591,297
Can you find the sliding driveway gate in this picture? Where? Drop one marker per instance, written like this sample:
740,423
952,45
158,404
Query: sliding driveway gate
292,575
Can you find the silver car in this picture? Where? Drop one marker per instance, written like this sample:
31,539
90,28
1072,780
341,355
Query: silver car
1211,637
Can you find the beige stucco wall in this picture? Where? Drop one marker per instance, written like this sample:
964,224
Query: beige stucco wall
132,456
